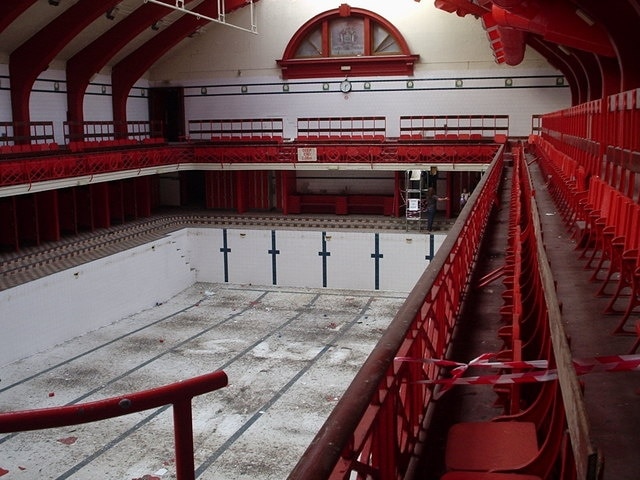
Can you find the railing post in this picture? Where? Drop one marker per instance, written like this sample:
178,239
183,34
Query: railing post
183,438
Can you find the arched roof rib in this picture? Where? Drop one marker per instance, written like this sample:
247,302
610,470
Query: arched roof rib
608,33
34,55
91,59
621,20
126,72
573,35
12,9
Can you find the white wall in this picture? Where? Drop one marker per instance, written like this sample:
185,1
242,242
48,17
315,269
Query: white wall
223,60
54,309
349,264
57,308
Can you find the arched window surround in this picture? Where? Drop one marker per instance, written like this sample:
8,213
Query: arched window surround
352,66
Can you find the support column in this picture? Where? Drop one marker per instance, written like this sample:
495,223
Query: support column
143,196
27,213
116,202
130,199
9,222
48,216
241,191
68,211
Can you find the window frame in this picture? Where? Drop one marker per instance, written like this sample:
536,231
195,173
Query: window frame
368,64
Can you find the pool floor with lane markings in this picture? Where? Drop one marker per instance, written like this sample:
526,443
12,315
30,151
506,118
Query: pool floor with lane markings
289,353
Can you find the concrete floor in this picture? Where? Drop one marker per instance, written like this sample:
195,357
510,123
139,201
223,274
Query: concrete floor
289,355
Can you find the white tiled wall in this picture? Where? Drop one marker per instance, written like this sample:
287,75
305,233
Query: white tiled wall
54,309
349,263
51,310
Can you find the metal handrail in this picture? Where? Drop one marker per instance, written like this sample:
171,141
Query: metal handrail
178,394
374,429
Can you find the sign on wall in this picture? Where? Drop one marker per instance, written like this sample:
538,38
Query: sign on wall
307,154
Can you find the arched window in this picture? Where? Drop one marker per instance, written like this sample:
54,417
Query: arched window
346,41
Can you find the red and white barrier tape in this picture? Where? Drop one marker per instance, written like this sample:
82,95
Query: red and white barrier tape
610,363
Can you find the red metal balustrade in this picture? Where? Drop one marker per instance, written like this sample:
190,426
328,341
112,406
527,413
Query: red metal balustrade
177,394
373,430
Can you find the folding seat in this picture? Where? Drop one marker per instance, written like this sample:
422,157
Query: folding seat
637,342
586,206
598,221
610,228
615,237
631,265
627,253
509,444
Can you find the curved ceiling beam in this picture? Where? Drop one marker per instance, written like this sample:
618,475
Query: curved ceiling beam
460,7
559,60
130,69
611,76
513,44
12,9
593,75
557,22
91,59
621,23
33,56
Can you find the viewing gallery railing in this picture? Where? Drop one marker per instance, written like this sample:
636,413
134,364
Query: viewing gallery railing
375,427
591,155
81,161
178,395
18,133
454,127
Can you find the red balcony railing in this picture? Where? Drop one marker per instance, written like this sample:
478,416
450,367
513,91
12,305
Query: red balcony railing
178,395
373,430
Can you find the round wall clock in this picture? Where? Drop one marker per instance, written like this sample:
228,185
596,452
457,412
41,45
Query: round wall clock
345,86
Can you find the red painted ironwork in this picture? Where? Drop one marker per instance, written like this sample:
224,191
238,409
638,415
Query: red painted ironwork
373,430
178,394
80,160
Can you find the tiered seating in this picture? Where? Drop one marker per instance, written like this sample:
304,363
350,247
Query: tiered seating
341,129
454,128
605,219
528,441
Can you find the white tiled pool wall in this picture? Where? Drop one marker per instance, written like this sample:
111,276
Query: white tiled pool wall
54,309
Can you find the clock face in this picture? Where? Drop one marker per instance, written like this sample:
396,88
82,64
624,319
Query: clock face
345,86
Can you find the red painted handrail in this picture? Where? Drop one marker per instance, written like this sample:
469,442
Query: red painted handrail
375,427
178,394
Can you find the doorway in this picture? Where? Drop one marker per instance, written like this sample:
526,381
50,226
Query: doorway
166,110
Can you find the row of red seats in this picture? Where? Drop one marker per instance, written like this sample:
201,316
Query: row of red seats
342,137
224,138
604,218
528,441
611,240
611,120
82,145
9,150
622,171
